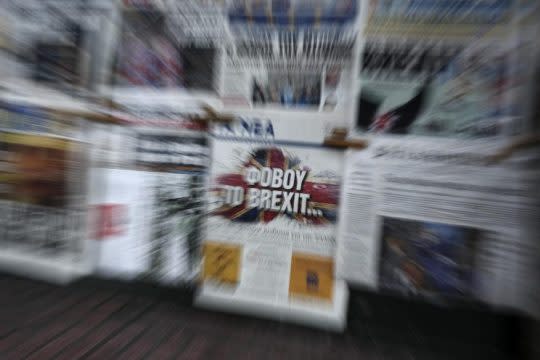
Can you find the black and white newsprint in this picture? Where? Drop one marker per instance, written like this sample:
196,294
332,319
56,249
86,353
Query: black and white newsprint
438,219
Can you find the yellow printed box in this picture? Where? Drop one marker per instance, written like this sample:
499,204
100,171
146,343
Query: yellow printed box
221,262
311,276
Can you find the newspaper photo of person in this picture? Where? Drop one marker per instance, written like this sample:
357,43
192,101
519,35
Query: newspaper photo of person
175,237
427,259
287,90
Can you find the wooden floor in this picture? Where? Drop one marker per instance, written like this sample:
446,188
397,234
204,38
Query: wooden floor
91,320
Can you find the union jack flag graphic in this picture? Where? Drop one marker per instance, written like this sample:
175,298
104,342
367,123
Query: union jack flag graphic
323,191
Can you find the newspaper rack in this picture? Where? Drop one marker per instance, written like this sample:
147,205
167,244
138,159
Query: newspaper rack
61,268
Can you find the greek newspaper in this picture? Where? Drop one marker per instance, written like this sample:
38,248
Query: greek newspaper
438,219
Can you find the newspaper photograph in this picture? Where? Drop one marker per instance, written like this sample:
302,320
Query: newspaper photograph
423,258
301,90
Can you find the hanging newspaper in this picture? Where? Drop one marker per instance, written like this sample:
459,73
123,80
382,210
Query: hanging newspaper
293,54
438,220
50,41
41,186
168,45
270,237
437,68
264,54
148,195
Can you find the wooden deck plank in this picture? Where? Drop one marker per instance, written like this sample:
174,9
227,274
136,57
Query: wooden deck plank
92,321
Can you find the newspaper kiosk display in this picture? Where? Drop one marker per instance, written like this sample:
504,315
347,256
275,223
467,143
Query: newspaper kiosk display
270,240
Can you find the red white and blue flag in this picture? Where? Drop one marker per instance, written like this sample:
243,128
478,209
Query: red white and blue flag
323,190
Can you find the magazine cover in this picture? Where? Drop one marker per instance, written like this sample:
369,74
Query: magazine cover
271,229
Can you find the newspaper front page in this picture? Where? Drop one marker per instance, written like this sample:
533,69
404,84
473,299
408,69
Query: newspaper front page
290,54
441,69
41,182
273,206
438,220
147,194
